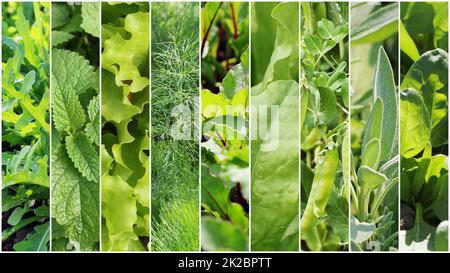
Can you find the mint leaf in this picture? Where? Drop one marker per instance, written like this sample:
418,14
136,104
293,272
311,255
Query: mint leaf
68,114
71,70
90,13
60,37
93,127
75,202
83,156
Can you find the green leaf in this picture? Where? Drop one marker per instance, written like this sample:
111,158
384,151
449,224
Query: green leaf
60,14
414,123
407,44
37,240
75,202
378,26
83,156
374,127
360,231
369,178
72,71
120,213
429,77
93,127
220,235
274,163
285,52
90,12
440,23
60,37
441,239
420,237
325,29
370,155
16,216
68,114
234,81
327,113
385,89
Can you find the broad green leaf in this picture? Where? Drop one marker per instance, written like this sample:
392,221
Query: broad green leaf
374,127
72,71
83,156
60,37
407,44
385,89
429,77
124,57
378,26
441,239
414,123
327,112
274,156
369,178
120,213
68,114
234,81
360,231
370,155
90,12
286,43
60,14
116,106
312,43
325,29
440,23
220,235
75,202
420,237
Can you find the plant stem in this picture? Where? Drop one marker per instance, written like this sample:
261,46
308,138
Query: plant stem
233,15
307,14
208,30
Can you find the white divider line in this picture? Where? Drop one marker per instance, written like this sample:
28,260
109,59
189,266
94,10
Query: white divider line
349,129
250,127
100,94
50,134
300,128
199,127
150,122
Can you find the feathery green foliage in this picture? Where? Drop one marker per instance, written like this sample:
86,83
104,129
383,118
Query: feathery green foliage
175,161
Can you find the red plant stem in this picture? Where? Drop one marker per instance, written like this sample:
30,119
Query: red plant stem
205,38
233,14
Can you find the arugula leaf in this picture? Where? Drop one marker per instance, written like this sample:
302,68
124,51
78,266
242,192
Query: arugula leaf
37,241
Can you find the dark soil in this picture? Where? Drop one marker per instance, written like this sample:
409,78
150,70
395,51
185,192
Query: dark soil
407,217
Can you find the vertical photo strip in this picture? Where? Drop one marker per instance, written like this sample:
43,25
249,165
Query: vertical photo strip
224,51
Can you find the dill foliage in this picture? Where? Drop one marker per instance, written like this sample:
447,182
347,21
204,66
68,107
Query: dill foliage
175,69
